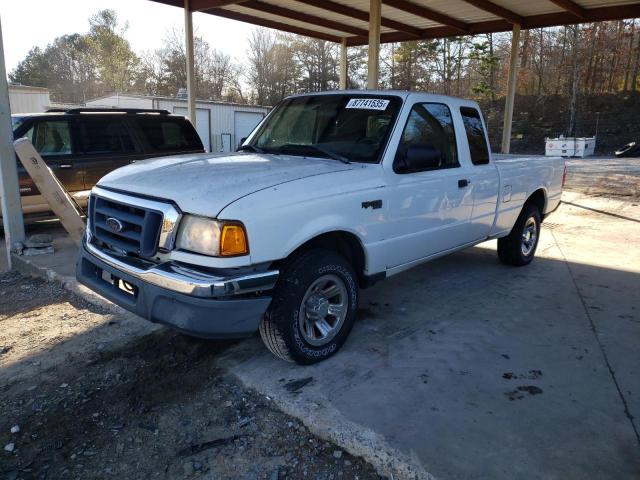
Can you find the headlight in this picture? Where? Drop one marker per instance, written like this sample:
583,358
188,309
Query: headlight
218,238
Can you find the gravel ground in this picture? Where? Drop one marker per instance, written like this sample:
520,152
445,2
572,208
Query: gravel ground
97,396
609,177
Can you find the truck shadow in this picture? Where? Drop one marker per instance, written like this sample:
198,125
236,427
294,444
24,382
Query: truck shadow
463,343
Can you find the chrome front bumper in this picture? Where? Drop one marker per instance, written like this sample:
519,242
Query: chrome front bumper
196,302
188,281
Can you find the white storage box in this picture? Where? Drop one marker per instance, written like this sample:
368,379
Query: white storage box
570,146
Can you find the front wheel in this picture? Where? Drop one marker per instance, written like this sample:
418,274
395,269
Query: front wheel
313,308
519,247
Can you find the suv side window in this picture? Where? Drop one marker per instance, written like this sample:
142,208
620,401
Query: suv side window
165,134
429,129
100,135
50,137
475,135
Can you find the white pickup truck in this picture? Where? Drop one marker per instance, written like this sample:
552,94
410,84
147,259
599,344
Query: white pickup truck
331,192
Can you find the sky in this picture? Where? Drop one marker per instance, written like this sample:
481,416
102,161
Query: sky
27,23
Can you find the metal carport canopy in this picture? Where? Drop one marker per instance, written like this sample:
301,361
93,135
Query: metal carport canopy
403,20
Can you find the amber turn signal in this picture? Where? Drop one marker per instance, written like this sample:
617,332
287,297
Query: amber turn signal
233,240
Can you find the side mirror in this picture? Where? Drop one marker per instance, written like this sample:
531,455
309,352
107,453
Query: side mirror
422,157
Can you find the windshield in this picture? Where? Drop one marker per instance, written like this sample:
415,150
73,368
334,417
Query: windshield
351,127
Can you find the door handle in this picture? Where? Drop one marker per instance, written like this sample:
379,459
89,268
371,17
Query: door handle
463,183
65,165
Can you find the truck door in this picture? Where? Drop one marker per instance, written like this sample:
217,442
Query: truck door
485,182
429,200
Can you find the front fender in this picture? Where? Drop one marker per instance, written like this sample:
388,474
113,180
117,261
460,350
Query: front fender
280,219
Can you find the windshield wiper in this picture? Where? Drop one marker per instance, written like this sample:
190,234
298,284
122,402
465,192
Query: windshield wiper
317,148
250,148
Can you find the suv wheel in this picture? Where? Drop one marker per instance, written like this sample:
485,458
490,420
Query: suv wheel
313,308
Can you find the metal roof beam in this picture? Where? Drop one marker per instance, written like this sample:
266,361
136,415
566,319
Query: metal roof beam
263,22
601,14
303,17
496,10
348,11
428,13
202,5
572,7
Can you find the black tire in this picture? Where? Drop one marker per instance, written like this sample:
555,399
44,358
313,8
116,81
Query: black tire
511,249
629,150
280,328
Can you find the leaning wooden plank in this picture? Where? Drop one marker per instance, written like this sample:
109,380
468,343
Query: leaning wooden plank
51,189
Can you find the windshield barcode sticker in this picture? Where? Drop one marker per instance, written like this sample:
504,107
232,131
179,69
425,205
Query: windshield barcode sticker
368,103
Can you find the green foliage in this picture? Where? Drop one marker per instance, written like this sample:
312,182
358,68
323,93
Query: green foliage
111,53
80,66
485,63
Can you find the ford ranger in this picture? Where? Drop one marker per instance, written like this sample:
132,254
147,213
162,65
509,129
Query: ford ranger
331,193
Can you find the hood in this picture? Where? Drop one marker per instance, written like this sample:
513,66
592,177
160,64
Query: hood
204,184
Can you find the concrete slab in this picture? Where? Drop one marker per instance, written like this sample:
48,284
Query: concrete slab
464,368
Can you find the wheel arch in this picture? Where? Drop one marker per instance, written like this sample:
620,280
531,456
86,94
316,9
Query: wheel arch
539,199
346,244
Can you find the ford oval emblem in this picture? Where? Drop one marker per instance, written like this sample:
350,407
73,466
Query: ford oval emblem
114,224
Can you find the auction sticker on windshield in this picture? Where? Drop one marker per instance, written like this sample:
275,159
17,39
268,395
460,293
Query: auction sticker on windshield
368,103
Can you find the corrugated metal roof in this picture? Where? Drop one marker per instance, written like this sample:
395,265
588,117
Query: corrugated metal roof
335,20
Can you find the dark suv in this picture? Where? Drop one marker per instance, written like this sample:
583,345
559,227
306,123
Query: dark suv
82,145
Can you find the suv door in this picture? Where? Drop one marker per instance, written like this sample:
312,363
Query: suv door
105,142
53,139
430,207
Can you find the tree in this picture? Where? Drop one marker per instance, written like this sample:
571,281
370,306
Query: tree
318,63
483,63
273,71
77,67
409,66
113,58
65,66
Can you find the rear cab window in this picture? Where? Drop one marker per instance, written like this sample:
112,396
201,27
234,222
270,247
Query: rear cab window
476,136
166,134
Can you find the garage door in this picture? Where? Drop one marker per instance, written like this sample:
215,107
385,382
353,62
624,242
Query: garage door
244,123
202,124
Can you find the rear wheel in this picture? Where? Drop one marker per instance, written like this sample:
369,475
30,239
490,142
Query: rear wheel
519,247
313,308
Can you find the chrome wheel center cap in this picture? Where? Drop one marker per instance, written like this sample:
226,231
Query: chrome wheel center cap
317,307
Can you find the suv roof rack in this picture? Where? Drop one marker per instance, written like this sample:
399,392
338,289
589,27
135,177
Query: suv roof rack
109,110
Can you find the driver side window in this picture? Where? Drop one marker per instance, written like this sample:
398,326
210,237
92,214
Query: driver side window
428,141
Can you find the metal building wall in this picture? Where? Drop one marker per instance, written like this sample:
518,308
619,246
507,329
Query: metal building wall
122,101
221,117
28,99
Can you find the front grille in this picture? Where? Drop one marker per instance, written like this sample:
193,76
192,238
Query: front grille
140,227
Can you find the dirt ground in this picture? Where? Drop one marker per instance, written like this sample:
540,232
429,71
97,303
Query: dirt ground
96,396
606,176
